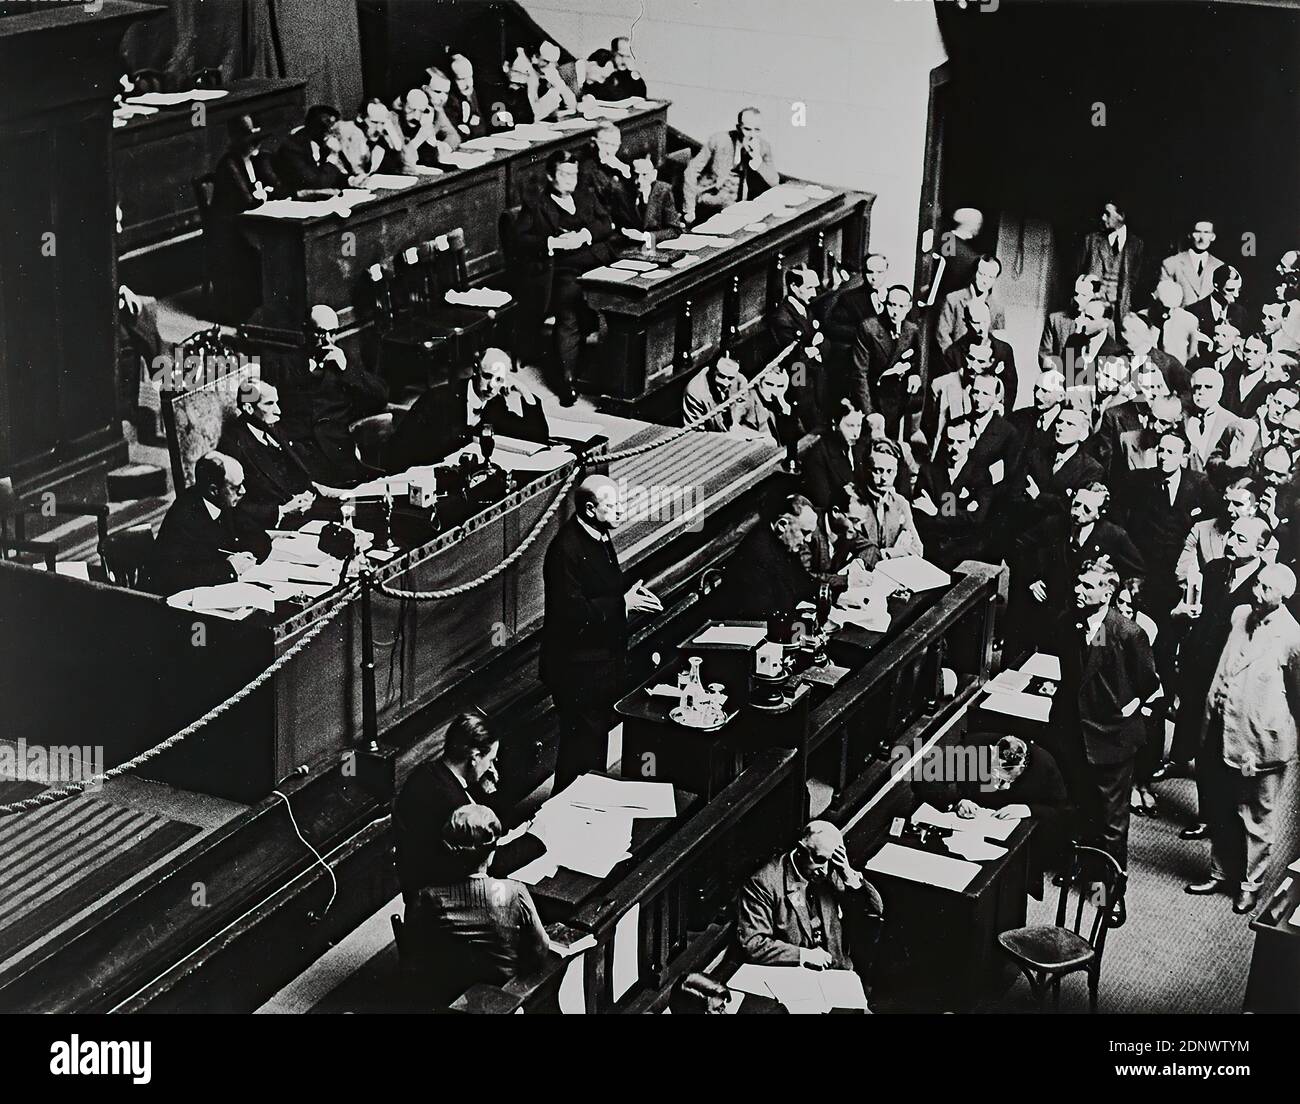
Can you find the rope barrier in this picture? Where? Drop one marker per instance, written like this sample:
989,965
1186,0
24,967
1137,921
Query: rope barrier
62,793
72,789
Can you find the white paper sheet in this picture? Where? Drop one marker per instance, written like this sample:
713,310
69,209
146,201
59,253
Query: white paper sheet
1043,665
873,617
986,826
393,182
74,569
685,243
640,799
573,987
913,572
801,990
466,160
567,430
1030,707
397,486
742,636
231,596
975,848
685,262
609,274
538,870
634,266
923,866
1010,682
627,966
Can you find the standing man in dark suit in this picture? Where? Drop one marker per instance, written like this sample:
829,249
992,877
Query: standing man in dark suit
837,462
1221,304
1049,474
977,325
567,230
852,305
202,541
464,774
303,158
1096,726
951,501
886,374
766,576
1063,325
243,178
584,635
792,322
1245,380
652,212
996,445
277,481
1114,255
1035,424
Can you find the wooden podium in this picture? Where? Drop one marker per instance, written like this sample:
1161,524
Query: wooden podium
59,425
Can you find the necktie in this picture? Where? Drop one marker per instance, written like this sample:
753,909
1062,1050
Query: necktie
1200,267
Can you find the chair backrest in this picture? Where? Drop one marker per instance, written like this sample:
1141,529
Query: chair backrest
194,418
382,302
411,289
1090,866
508,231
125,554
371,434
447,260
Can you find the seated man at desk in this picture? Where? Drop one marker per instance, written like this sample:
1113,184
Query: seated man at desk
502,401
625,82
1023,781
244,176
515,102
652,211
202,540
608,177
303,158
884,517
800,908
554,96
463,107
384,134
427,134
768,411
595,82
731,166
766,577
466,773
567,228
475,929
278,484
338,394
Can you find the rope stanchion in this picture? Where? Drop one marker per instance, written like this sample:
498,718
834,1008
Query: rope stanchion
63,793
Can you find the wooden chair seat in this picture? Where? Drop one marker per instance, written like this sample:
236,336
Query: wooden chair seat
1046,947
125,555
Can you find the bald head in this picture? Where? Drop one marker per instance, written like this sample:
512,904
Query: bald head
967,222
1207,388
1274,585
596,503
817,847
220,479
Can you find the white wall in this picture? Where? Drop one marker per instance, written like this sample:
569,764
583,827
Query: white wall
861,67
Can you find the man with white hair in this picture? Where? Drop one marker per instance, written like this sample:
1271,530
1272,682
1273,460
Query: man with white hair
801,907
202,540
463,107
1250,736
958,251
1218,438
1033,424
1177,327
426,133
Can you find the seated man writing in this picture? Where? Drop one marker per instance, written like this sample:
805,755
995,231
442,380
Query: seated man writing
789,912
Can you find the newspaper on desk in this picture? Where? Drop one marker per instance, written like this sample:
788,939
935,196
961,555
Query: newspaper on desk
984,824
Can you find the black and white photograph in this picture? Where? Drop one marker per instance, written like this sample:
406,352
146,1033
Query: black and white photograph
650,507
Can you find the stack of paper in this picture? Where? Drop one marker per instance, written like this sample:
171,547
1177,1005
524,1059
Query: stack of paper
534,132
743,636
804,991
608,274
634,266
231,596
460,160
175,99
1029,707
873,617
688,242
484,298
1043,665
296,208
985,824
563,429
640,799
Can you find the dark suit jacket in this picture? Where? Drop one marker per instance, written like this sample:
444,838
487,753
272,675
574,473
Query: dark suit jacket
232,191
762,579
543,218
1056,558
773,917
999,441
334,401
271,476
959,531
875,350
1198,656
1054,487
1119,419
830,464
1203,312
658,215
613,190
1032,439
787,325
1246,407
1158,529
191,548
622,85
299,170
1130,270
584,635
476,125
1097,681
430,794
848,308
954,358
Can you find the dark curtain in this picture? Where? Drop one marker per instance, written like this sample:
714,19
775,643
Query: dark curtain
313,40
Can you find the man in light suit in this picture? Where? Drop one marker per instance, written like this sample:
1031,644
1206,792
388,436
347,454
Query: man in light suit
1219,439
1063,325
952,315
1250,736
884,517
789,912
732,165
1115,255
709,388
1193,268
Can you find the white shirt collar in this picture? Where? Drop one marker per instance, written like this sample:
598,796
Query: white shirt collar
214,511
1094,622
565,203
799,308
1118,237
1240,573
1081,538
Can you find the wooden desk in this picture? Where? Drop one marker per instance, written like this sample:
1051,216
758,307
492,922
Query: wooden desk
560,896
324,259
938,949
666,324
157,157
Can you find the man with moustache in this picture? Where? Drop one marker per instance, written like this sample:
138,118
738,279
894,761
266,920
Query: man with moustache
886,373
951,501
